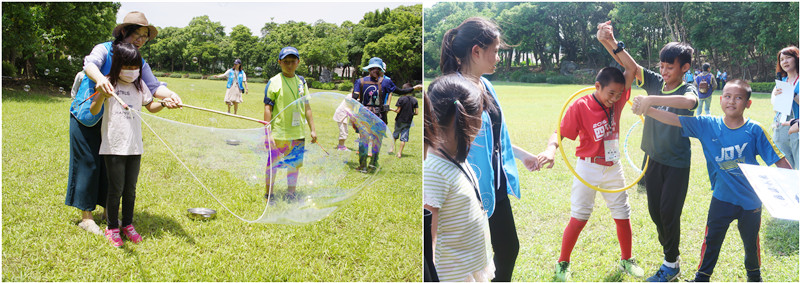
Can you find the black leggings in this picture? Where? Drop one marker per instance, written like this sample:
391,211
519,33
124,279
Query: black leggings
123,172
504,240
666,193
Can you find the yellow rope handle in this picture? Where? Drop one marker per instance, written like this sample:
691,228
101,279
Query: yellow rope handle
564,155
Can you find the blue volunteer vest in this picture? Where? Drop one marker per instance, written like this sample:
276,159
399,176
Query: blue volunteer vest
230,79
78,108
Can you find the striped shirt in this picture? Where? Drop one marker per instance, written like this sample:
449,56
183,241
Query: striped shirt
462,234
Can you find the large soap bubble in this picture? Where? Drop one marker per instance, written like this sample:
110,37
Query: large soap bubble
235,162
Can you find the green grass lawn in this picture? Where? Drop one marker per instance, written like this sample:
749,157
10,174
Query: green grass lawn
531,112
375,237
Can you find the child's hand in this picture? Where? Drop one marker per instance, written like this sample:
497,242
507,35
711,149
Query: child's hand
605,32
418,87
169,103
546,158
640,105
777,91
313,136
531,163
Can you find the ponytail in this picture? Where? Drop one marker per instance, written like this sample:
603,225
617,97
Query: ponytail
457,43
456,104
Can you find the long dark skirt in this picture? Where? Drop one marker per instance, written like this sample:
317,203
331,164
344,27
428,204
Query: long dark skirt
88,183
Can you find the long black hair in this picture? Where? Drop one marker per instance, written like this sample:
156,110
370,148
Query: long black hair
125,54
457,43
455,103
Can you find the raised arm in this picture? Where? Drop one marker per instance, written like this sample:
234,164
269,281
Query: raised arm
641,104
605,34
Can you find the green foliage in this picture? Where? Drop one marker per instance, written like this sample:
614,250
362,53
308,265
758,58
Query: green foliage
160,74
542,34
560,80
345,86
195,76
762,87
9,69
175,75
42,35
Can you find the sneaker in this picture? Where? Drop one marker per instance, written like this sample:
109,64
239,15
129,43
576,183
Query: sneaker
113,237
629,266
270,198
562,271
130,232
665,274
342,148
754,279
291,197
91,227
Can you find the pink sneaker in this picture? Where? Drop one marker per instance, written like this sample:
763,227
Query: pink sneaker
113,237
130,232
342,148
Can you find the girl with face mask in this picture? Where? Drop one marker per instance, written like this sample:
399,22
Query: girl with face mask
121,132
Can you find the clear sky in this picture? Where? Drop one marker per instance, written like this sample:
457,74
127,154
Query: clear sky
253,14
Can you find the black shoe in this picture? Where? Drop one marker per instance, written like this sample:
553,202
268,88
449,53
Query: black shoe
754,279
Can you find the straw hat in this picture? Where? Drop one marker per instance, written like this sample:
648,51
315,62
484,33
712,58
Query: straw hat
135,18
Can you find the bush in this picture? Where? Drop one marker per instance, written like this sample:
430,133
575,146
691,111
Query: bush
533,78
175,75
211,77
517,75
763,87
328,86
346,86
196,76
160,74
9,69
310,81
185,75
560,80
315,84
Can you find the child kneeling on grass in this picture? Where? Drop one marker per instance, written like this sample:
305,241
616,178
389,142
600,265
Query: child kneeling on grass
460,227
595,119
122,144
727,141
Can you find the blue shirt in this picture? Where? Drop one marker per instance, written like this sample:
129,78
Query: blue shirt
724,148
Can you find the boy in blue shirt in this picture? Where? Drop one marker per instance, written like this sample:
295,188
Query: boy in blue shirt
727,141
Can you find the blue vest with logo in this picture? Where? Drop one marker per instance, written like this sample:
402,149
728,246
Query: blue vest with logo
230,79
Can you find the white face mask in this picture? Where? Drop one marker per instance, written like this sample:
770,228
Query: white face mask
129,75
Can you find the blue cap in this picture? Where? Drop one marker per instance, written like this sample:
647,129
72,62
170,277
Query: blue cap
288,50
375,62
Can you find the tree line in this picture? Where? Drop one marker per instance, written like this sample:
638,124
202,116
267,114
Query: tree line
742,38
44,36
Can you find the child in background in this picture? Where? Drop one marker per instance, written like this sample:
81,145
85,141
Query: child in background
595,119
286,141
406,110
122,145
705,84
667,176
342,118
459,226
727,141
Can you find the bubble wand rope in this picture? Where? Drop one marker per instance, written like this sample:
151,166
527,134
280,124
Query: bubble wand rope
192,173
223,113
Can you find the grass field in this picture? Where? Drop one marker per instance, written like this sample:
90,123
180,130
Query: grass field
375,237
531,112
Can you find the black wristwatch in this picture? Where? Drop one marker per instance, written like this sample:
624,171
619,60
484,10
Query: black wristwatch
620,47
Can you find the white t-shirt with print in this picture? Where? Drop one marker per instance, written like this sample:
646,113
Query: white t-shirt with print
122,129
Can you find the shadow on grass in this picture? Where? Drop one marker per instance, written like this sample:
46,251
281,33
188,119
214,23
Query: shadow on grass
781,237
157,226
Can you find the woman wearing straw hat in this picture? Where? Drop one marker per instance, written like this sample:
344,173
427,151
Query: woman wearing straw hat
237,85
87,185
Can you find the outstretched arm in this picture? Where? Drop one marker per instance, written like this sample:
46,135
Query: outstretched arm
662,116
531,161
641,104
548,155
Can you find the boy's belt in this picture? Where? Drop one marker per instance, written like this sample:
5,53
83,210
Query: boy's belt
599,160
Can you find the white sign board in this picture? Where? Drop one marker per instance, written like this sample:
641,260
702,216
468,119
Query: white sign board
783,102
778,189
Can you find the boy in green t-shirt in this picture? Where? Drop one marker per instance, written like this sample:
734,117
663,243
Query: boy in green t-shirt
285,138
